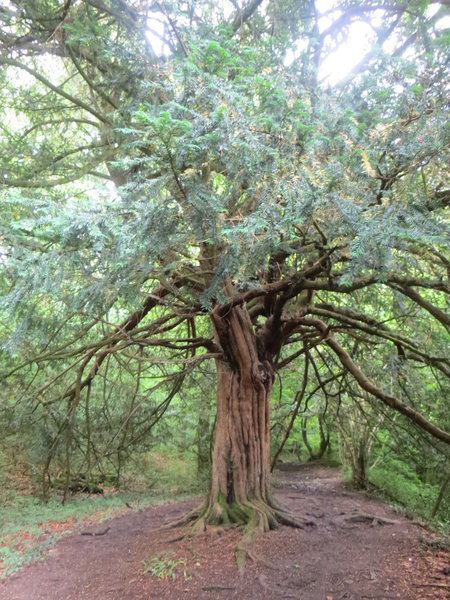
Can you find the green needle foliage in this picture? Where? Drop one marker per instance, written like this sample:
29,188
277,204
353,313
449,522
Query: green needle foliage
149,195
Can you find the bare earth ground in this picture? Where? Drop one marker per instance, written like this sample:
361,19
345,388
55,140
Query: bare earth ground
359,549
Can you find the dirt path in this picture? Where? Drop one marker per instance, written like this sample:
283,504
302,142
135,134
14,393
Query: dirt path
357,550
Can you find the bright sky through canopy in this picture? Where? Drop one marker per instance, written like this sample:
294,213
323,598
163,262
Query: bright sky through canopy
347,52
338,63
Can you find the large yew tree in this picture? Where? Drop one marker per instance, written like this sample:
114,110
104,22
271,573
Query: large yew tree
181,183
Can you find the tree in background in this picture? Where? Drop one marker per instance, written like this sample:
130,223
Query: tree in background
209,198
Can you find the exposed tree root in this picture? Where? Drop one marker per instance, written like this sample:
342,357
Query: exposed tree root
177,538
96,534
193,515
260,561
294,521
256,516
217,588
370,519
444,586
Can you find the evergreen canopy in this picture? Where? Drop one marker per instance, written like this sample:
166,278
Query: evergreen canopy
213,198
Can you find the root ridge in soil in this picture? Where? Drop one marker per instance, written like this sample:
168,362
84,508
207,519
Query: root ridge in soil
333,543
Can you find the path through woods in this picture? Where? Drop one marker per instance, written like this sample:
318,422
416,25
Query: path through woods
358,549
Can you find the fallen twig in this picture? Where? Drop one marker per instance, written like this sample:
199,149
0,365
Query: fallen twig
444,586
216,588
104,532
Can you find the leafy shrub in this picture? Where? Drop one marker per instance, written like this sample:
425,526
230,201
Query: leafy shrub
400,483
165,566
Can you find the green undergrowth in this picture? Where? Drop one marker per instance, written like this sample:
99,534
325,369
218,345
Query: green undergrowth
399,485
29,527
165,566
166,474
407,492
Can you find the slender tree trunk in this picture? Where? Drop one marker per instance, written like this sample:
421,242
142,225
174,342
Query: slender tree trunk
440,497
241,467
324,438
359,465
203,438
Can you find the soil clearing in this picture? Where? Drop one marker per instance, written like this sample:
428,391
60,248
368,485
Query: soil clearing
357,549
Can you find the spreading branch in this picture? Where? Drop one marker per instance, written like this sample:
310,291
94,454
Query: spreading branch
371,388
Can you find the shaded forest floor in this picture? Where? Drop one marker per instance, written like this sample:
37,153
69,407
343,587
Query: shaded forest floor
359,549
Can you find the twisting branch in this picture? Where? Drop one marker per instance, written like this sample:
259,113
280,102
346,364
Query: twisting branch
58,90
425,304
243,15
95,88
369,386
174,28
378,330
123,329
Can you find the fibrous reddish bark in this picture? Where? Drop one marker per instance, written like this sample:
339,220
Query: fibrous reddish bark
240,490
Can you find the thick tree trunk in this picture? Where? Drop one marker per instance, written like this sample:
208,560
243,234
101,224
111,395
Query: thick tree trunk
240,468
240,486
241,463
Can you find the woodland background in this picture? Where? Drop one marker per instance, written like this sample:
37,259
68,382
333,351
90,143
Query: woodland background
126,162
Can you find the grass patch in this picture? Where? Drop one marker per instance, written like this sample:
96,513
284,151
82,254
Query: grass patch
30,527
407,492
165,566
